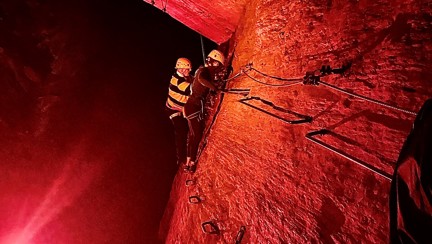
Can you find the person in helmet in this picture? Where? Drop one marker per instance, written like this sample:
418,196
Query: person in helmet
204,81
178,93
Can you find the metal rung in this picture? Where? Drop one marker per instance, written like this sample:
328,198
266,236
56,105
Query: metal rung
310,136
194,199
209,227
240,235
305,118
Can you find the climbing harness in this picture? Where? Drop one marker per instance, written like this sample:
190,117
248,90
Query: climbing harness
197,114
304,118
240,235
209,227
175,115
311,136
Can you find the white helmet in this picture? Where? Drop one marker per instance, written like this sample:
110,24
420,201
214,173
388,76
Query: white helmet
183,63
217,55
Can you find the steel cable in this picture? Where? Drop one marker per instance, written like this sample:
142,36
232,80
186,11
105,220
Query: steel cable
276,77
367,99
275,85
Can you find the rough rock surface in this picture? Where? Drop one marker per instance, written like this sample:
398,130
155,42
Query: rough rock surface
262,173
216,20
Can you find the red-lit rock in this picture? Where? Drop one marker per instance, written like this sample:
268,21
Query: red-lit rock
216,20
259,172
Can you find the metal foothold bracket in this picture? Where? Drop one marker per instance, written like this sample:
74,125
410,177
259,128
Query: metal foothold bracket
240,234
209,227
303,118
190,182
311,137
194,199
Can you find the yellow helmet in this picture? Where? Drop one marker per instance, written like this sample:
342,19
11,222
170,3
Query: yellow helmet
217,55
183,63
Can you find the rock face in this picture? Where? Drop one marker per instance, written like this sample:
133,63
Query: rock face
258,171
216,20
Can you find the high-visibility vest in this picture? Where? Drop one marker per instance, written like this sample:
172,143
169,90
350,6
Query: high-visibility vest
178,92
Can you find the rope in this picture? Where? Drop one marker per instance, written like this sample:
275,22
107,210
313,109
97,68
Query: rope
367,99
202,48
300,80
276,77
276,85
244,93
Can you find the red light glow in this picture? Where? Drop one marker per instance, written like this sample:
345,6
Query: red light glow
75,176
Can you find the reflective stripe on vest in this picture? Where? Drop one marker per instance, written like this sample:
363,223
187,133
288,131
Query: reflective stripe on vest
178,93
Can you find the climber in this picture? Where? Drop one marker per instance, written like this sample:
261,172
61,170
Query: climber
206,78
178,93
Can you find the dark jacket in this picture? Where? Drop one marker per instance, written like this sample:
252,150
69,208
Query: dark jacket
202,83
411,189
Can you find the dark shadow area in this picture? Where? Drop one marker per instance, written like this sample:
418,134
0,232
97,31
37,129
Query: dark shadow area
330,220
385,120
87,151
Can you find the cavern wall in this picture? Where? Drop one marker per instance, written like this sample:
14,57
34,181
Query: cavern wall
260,172
216,20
